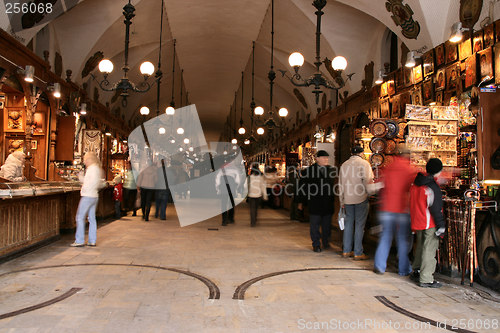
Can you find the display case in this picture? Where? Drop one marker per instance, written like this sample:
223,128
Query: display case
22,189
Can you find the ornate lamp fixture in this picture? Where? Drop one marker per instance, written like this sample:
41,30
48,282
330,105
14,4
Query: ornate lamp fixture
241,130
270,123
317,80
106,66
170,110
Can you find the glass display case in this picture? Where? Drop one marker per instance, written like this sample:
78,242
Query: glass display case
23,189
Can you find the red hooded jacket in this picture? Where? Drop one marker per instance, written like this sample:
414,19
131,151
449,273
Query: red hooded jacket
426,204
397,178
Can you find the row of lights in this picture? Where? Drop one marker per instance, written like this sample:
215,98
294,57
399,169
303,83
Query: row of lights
169,111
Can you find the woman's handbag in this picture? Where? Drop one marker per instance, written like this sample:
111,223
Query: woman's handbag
341,218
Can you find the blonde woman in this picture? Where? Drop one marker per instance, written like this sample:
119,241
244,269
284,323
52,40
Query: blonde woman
91,183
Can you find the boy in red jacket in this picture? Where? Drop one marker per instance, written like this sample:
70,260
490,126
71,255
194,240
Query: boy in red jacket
427,221
118,196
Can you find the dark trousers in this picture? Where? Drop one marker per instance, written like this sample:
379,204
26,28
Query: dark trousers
118,210
161,200
254,206
325,221
227,209
130,195
146,199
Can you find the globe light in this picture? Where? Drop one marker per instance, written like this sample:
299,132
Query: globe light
172,140
283,112
186,140
191,149
247,142
180,149
242,130
170,111
144,110
296,59
260,131
180,130
147,68
161,130
339,63
234,141
106,66
225,152
259,111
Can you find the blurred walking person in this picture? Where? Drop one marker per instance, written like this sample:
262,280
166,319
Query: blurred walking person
256,192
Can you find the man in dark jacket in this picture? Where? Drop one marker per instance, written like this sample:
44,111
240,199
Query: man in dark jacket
427,221
316,188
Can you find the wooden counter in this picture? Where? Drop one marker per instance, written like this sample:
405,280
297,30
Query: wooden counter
27,222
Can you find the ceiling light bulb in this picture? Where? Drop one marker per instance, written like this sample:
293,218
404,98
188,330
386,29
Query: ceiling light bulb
283,112
380,78
411,60
106,66
180,130
191,148
259,111
29,73
170,111
144,110
161,130
57,90
296,59
83,108
108,134
147,68
456,33
247,142
234,141
242,130
180,149
260,131
225,152
186,140
339,63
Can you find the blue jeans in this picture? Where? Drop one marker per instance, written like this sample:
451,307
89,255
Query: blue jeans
354,223
87,206
325,221
399,224
161,204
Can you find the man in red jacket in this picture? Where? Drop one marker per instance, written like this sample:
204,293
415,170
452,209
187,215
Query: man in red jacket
394,213
427,221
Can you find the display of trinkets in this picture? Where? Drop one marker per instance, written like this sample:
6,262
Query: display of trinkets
444,143
444,112
419,143
419,130
441,127
417,112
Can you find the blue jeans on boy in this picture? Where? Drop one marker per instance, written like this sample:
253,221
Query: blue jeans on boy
161,204
86,207
118,209
399,224
354,223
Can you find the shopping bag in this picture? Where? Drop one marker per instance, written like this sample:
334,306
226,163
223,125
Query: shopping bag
341,218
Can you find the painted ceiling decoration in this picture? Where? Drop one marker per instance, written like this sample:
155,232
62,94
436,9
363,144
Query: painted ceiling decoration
402,15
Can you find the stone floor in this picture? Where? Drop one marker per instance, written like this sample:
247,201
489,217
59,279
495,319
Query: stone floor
137,280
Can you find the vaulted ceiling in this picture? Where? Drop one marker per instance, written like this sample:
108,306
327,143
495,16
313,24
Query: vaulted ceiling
214,45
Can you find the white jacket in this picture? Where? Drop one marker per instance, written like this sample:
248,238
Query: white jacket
257,187
356,181
13,167
92,181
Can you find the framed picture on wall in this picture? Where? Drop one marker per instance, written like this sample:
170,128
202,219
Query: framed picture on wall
383,89
440,78
489,36
408,73
34,145
399,78
465,49
496,51
428,91
14,120
391,87
428,62
485,64
39,123
440,59
416,95
396,106
452,76
478,41
451,53
404,98
417,74
470,71
13,144
439,98
384,108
